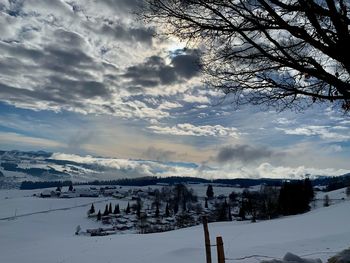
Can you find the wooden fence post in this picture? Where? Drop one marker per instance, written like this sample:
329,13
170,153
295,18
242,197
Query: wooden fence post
207,240
220,250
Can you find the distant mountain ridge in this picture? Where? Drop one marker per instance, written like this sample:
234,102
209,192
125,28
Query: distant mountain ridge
38,166
20,166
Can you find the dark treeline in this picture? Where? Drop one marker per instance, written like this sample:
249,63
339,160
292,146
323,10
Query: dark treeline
29,185
294,198
242,182
266,203
152,180
332,183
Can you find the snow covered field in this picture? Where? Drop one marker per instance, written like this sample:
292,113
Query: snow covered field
49,236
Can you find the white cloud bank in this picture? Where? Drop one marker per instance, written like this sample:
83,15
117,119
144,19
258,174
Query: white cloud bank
135,168
187,129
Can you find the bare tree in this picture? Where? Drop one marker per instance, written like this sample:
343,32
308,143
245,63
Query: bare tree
281,53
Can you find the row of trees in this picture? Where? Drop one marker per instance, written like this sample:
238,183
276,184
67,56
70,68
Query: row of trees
108,210
270,202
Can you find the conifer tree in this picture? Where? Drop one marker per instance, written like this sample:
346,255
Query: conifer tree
157,210
176,207
184,206
106,212
138,209
242,210
206,203
127,210
116,209
210,192
99,215
167,212
110,208
92,209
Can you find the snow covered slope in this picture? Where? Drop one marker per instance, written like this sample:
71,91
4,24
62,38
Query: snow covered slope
49,237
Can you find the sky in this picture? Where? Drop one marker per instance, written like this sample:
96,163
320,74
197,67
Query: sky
89,78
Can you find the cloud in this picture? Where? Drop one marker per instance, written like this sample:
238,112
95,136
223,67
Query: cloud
157,154
84,56
266,170
243,153
79,139
127,33
155,71
122,167
15,139
195,99
169,105
324,132
187,129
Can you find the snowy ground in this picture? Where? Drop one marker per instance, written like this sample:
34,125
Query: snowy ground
49,236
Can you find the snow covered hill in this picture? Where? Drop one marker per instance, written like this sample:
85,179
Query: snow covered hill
48,237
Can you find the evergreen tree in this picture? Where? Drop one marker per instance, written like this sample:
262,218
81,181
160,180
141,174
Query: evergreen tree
167,212
294,197
92,209
138,209
157,210
127,210
176,207
106,212
232,197
110,208
242,210
206,203
99,215
222,213
70,189
184,206
309,190
116,209
210,192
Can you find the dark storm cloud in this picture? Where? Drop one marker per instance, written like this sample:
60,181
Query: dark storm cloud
243,153
186,65
155,71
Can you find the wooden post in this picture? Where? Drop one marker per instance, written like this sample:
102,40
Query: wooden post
207,240
220,250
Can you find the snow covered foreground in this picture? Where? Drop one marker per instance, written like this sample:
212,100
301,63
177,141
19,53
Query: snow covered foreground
49,237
